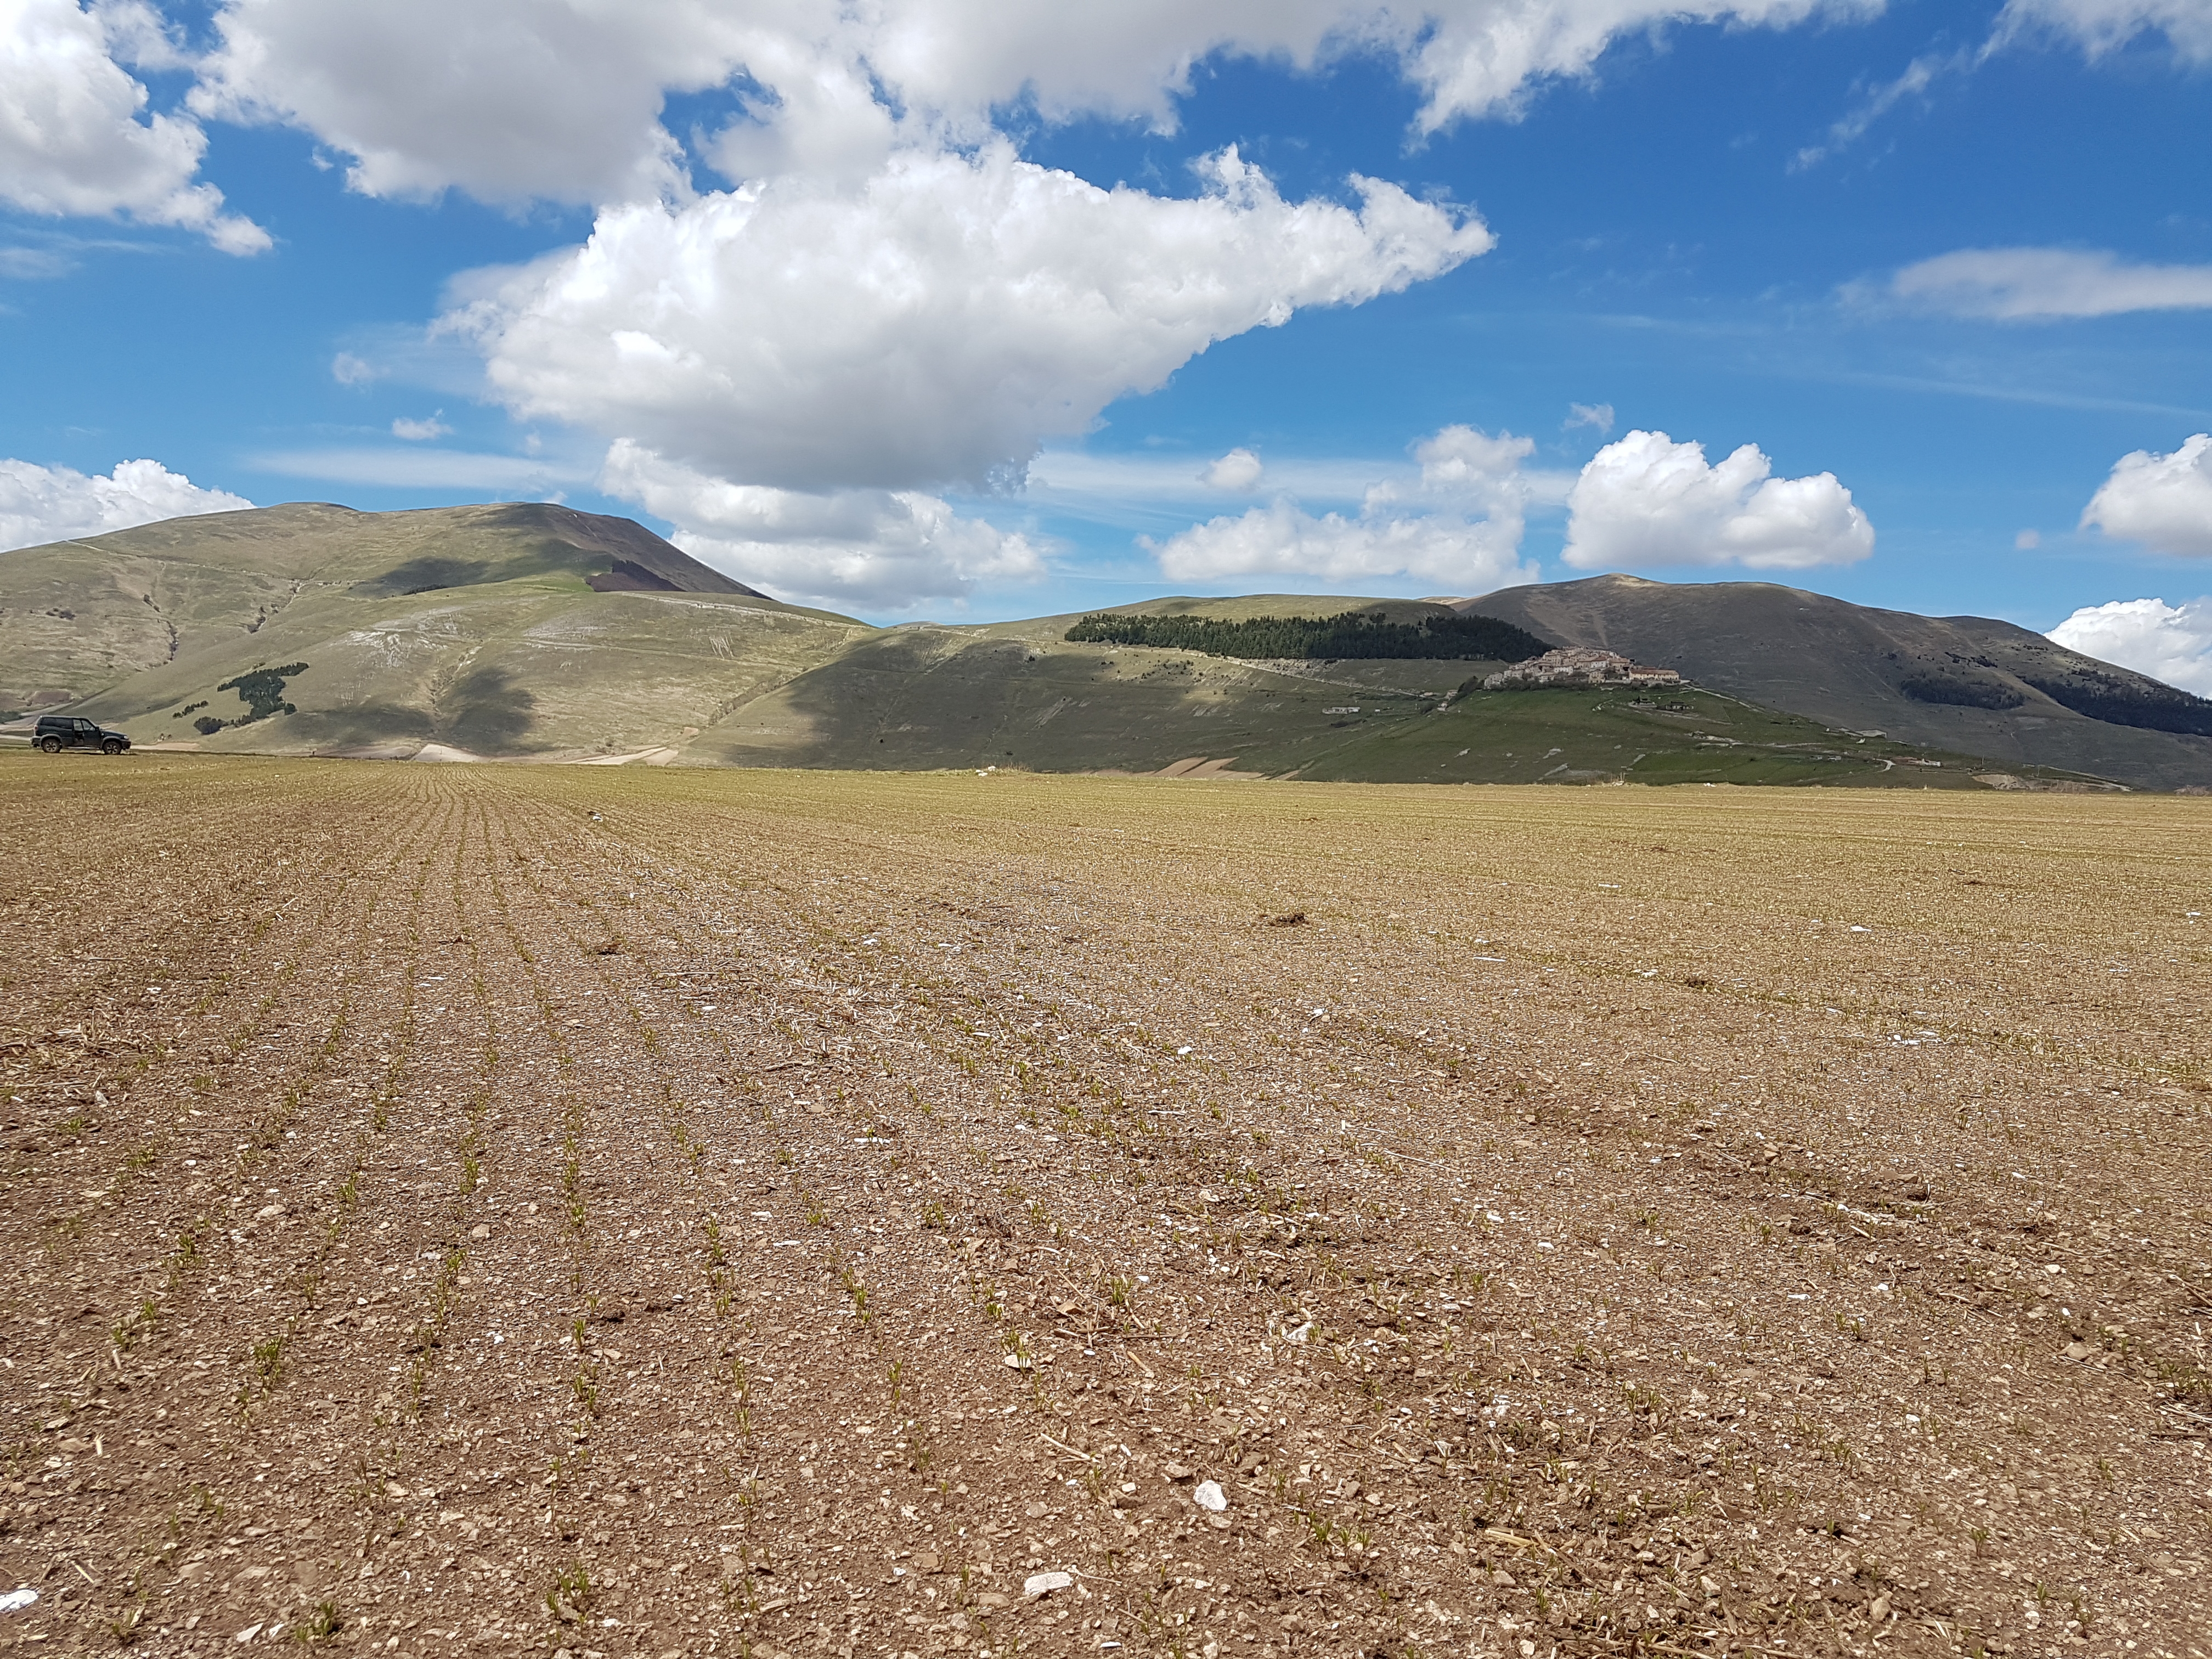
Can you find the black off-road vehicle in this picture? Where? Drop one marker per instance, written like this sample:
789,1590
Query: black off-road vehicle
56,733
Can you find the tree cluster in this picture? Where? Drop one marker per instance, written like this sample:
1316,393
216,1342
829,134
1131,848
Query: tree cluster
262,691
1351,634
2102,697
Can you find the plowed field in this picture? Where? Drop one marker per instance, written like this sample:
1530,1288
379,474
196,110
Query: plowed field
515,1209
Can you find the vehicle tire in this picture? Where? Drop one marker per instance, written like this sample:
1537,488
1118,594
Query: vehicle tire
51,745
111,747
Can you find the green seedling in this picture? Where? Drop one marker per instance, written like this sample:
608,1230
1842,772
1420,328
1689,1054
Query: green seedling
325,1621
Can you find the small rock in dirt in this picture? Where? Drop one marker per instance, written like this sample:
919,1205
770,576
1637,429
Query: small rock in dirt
1045,1584
17,1600
480,1231
1177,1471
926,1561
2078,1350
1036,1511
1209,1496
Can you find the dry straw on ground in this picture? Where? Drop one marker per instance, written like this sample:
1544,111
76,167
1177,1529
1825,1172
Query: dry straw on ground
457,1211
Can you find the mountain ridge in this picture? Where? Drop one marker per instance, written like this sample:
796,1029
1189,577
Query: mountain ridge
534,631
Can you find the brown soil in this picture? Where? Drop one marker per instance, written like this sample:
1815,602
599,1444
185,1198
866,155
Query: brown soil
682,1212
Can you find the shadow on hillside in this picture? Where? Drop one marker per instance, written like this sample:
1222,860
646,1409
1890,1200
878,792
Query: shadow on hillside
486,712
435,571
359,727
905,702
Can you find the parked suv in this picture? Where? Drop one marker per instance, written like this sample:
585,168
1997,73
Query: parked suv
56,733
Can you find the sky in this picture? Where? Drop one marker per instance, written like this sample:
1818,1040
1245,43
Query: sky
971,309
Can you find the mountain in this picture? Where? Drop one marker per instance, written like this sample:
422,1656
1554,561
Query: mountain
1967,684
536,632
521,629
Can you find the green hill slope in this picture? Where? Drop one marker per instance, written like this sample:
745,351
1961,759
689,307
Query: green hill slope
1021,693
1675,735
1964,684
524,629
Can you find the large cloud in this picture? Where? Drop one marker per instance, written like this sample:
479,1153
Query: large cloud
935,323
71,138
1648,501
42,504
2164,502
877,549
2034,285
2168,642
1457,528
508,100
514,99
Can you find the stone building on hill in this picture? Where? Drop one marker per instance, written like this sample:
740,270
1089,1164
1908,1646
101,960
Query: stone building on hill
1579,667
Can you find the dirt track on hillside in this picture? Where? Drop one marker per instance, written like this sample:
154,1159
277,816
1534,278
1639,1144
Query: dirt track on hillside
509,1210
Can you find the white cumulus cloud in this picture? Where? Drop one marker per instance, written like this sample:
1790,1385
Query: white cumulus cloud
507,100
2164,502
2169,643
879,550
1470,58
1646,499
1239,468
1458,527
2037,284
936,324
76,138
42,504
421,431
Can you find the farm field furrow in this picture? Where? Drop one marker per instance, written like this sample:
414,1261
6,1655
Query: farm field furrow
517,1209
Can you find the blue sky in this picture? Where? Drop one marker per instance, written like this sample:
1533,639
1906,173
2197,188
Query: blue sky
1699,230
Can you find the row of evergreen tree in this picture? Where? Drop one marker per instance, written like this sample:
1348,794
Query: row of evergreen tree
1349,634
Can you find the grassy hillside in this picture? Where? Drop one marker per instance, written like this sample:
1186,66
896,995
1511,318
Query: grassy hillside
926,696
536,632
1959,683
521,629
